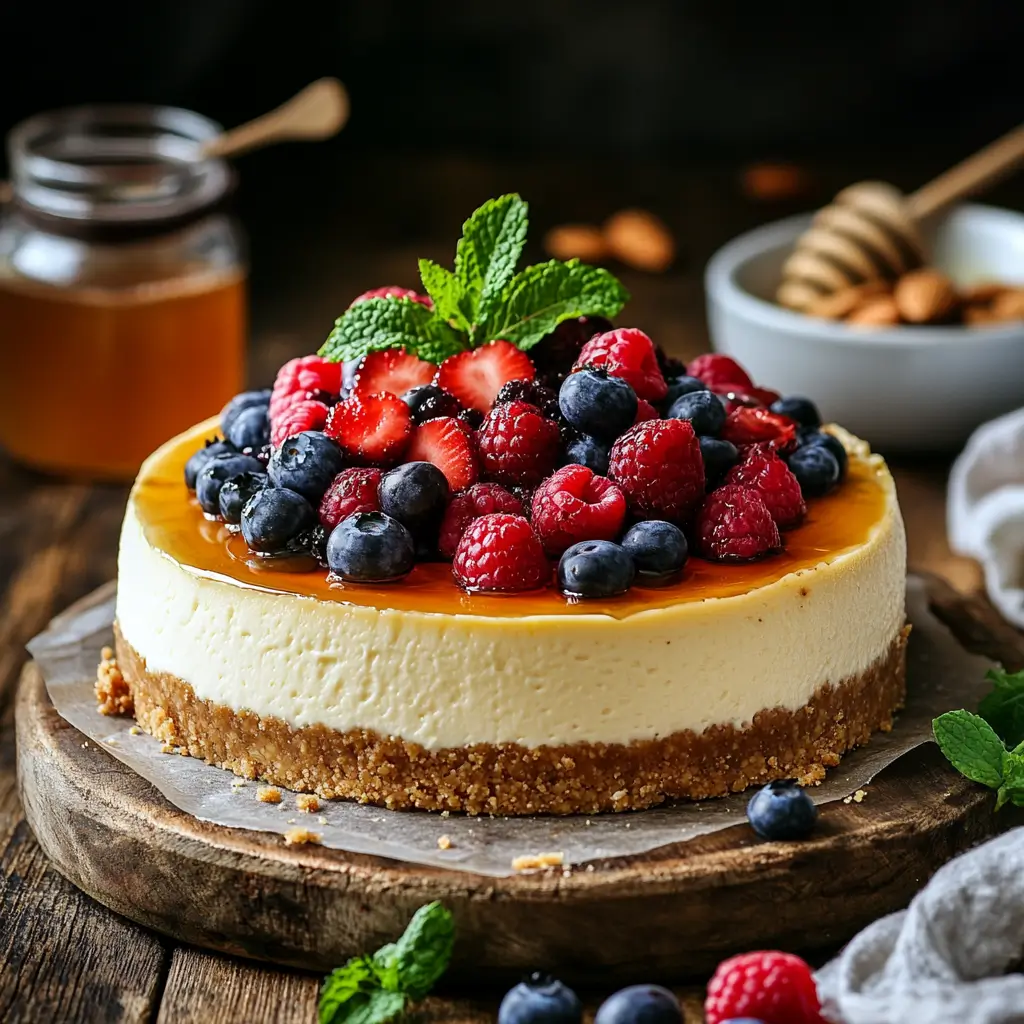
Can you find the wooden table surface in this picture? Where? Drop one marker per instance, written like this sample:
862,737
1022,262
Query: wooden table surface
315,245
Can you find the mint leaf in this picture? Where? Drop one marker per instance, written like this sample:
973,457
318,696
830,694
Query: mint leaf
424,949
390,323
972,746
1003,708
343,986
542,296
451,301
375,1007
1012,788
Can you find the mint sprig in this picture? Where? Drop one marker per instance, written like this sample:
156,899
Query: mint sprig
1003,708
376,989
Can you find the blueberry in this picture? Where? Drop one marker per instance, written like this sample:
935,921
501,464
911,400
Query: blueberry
658,549
703,409
683,385
428,401
540,1000
588,451
595,568
596,404
306,463
801,411
250,429
274,518
782,810
719,457
216,471
370,547
640,1004
237,490
415,494
199,459
238,404
816,438
816,470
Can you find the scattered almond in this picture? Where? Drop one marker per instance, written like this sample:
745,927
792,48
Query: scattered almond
576,241
979,316
925,296
843,302
879,311
640,239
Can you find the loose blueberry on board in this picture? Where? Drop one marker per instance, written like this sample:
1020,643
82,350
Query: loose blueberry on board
216,471
588,451
595,568
816,470
236,492
782,811
640,1004
719,457
428,402
370,547
658,549
703,409
306,463
819,439
801,410
415,494
597,404
238,404
250,429
197,460
274,517
682,385
540,1000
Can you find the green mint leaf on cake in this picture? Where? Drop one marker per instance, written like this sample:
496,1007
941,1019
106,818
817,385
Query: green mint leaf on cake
1003,708
424,949
971,746
452,302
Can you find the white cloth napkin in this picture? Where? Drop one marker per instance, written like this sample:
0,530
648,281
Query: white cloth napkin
985,509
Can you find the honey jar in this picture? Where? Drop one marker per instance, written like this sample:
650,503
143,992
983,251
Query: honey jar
122,288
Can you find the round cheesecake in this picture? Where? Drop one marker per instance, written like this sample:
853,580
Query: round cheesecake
416,694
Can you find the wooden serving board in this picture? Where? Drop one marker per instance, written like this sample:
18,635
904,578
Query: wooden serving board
671,914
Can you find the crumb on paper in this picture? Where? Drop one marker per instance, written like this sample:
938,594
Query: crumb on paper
300,836
536,861
322,820
268,795
446,814
859,795
307,802
135,731
444,842
113,695
291,821
167,748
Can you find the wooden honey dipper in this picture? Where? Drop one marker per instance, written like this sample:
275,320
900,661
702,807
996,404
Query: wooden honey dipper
870,231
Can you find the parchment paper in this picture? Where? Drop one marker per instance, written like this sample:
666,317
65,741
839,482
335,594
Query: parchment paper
941,676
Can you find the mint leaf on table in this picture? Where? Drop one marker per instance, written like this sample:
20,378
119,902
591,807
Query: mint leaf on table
344,987
1012,789
424,949
1003,708
451,300
972,746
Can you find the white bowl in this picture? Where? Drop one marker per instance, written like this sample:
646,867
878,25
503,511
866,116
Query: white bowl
909,388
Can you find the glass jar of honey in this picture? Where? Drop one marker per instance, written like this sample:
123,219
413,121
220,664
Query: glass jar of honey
122,288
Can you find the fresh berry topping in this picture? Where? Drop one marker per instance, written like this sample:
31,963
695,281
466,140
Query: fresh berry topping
573,505
246,400
393,291
416,495
540,1000
216,471
658,549
473,418
775,988
756,426
318,543
735,526
479,500
274,518
763,471
818,438
658,466
306,463
735,397
475,377
529,391
595,568
197,460
682,385
449,444
236,492
702,409
598,404
719,457
640,1004
627,353
294,419
588,451
517,444
720,373
371,428
299,378
351,491
500,552
782,811
393,370
671,367
370,547
816,470
556,352
428,402
645,411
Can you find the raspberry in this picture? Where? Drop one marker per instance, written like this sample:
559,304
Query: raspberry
351,491
574,504
627,353
776,988
393,291
763,471
371,428
294,419
720,373
500,552
517,444
659,468
753,426
476,501
299,378
644,411
734,525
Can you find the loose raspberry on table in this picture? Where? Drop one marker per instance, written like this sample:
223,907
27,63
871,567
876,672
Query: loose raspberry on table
734,525
302,378
775,988
500,552
518,445
352,490
476,501
720,373
393,291
755,426
627,353
763,471
575,504
659,467
293,419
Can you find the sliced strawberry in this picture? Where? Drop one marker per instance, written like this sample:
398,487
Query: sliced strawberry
447,443
371,429
393,370
720,373
475,377
746,425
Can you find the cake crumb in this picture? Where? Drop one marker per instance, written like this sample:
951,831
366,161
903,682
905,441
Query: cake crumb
535,861
307,802
446,814
444,842
167,748
113,694
135,731
268,795
300,836
859,795
322,820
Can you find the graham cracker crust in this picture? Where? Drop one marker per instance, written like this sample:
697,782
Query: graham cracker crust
511,779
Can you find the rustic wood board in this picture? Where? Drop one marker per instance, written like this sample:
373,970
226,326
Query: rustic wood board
671,914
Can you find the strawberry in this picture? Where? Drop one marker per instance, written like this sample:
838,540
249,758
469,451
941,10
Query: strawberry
720,373
745,425
448,444
475,377
371,428
393,370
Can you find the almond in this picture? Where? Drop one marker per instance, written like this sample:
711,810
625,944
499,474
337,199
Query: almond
878,311
925,296
640,240
977,316
982,292
846,300
1009,305
576,241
